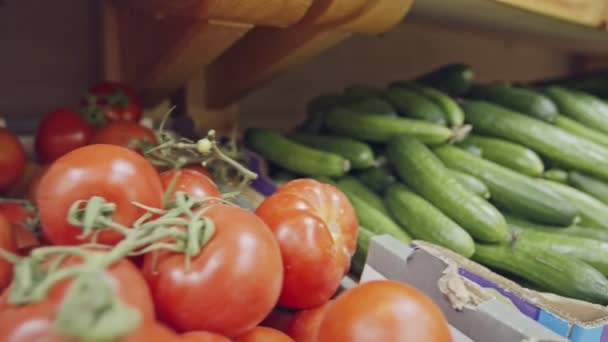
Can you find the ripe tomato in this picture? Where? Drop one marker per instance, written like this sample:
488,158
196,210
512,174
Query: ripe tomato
20,217
263,334
202,336
125,134
115,173
316,227
60,132
7,243
384,311
199,168
304,327
12,159
112,101
230,286
191,182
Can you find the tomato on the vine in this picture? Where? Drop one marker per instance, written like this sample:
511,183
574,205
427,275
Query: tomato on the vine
112,101
304,326
23,220
12,159
202,336
115,173
263,334
124,133
191,182
229,287
384,311
316,227
60,132
7,243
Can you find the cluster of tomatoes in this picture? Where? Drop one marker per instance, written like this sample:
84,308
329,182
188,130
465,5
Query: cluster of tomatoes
291,253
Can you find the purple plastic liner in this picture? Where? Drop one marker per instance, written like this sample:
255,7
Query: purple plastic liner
262,184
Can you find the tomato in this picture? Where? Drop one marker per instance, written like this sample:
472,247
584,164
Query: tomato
60,132
316,227
115,173
20,217
191,182
112,101
230,286
304,327
384,311
125,134
7,243
263,334
199,168
12,159
202,336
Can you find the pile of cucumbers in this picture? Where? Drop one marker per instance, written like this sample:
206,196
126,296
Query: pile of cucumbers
513,176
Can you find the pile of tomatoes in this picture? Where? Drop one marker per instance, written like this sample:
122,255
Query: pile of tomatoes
288,256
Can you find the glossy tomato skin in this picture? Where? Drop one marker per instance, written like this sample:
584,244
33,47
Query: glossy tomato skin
7,243
305,325
263,334
12,159
60,132
316,227
384,311
115,173
19,217
191,182
231,285
202,336
113,101
124,133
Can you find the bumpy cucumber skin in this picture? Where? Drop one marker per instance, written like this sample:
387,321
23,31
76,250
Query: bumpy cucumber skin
293,156
559,145
522,100
560,274
472,183
414,105
510,190
508,154
425,222
592,211
590,185
380,128
353,185
518,224
377,178
420,169
556,175
455,79
358,153
581,130
357,263
581,107
451,109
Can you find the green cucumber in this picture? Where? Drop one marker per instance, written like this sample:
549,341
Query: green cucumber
377,178
594,82
451,109
354,186
593,213
357,263
425,222
511,190
414,105
559,145
522,100
358,153
508,154
293,156
556,175
560,274
455,79
471,183
581,130
518,224
584,108
419,168
380,128
590,185
313,124
372,105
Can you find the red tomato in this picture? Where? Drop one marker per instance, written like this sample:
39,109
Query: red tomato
7,243
112,101
60,132
230,286
19,217
263,334
191,182
115,173
316,227
199,168
12,159
304,327
123,133
384,311
202,336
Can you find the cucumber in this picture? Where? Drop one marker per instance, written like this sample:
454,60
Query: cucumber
313,124
515,192
565,148
293,156
581,130
425,222
451,109
594,82
377,178
556,175
471,183
455,79
508,154
357,91
522,100
590,185
414,105
358,153
377,128
560,274
357,263
518,224
325,179
419,168
593,213
323,103
584,108
372,105
354,186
